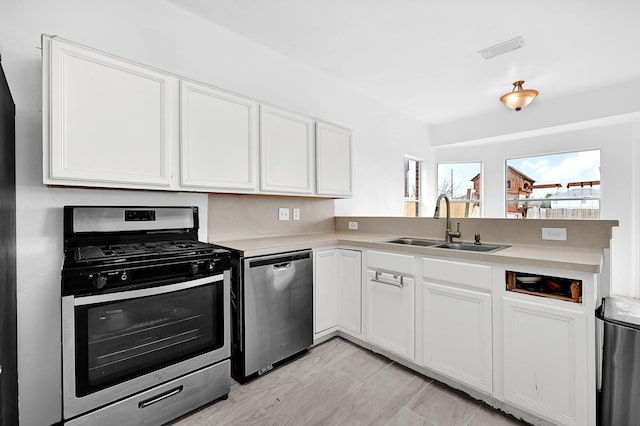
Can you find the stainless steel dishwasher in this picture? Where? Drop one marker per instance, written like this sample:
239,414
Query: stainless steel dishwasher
273,309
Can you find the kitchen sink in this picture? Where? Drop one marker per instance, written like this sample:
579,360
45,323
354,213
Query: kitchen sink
485,248
414,242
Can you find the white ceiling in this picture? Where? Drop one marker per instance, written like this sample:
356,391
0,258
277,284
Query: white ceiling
421,56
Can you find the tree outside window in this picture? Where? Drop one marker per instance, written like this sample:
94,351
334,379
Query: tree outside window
462,183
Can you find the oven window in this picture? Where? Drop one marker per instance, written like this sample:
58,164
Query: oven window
120,340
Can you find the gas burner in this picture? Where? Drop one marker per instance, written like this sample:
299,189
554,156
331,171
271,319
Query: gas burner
136,251
106,250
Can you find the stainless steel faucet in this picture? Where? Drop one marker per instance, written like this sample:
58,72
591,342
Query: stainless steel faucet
449,235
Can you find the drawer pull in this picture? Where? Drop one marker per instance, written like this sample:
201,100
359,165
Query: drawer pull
397,280
160,397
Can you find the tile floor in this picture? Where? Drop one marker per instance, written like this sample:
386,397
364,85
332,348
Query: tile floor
339,383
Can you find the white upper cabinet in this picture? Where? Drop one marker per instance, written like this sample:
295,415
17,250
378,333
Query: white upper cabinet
333,160
107,122
286,152
218,139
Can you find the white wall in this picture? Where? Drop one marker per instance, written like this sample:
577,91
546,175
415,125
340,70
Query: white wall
159,34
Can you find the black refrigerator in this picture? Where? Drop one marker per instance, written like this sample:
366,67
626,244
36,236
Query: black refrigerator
8,317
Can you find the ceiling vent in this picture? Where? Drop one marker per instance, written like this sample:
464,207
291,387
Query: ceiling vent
504,47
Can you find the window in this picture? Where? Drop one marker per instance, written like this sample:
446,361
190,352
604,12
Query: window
462,184
557,186
411,187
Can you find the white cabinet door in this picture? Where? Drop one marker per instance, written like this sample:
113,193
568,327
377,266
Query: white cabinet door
457,334
333,160
390,307
286,152
218,139
350,317
338,289
545,360
107,122
326,289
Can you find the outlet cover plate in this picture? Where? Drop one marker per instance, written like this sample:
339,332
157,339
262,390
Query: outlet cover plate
353,225
283,213
296,213
555,234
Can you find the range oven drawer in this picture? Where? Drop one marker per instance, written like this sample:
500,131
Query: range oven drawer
165,402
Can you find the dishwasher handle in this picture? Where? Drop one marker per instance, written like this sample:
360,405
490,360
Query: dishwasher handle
281,266
280,259
396,281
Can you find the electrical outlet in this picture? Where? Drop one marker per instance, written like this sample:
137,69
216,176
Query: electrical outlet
296,213
283,213
353,225
557,234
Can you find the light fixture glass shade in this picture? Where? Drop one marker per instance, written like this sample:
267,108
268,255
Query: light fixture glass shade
518,98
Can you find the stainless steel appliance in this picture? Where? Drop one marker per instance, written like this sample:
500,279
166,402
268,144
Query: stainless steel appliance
272,303
145,315
621,362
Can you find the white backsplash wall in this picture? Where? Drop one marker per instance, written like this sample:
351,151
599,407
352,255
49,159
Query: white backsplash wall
235,217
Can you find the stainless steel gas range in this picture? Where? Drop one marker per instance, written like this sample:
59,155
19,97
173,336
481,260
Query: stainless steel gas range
145,315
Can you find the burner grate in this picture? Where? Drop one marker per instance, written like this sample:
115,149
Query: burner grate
124,252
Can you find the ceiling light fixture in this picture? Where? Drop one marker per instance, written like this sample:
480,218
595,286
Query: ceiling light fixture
518,98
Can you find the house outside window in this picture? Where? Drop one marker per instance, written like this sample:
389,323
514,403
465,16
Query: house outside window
555,186
462,183
411,187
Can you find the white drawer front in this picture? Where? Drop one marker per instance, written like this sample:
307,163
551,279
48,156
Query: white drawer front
390,262
476,276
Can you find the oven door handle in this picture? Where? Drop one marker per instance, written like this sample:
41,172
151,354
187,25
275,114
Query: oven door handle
158,398
143,292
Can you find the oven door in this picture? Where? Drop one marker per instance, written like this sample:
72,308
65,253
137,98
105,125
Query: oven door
115,345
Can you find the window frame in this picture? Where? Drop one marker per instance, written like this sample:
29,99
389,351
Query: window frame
416,201
573,183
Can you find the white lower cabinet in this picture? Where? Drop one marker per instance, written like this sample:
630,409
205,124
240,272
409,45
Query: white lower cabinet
457,334
350,282
391,316
325,290
338,290
535,354
546,366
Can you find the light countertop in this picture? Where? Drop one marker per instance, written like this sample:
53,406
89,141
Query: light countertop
569,258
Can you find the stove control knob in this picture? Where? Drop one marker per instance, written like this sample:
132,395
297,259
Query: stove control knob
99,282
124,276
193,268
211,265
